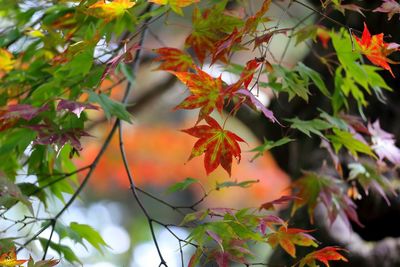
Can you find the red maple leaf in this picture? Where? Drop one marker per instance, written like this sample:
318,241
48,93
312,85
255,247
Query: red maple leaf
173,59
206,92
375,49
323,255
219,146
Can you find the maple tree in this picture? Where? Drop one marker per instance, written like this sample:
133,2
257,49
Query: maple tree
55,62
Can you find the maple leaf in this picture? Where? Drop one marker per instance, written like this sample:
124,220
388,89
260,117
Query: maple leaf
113,63
253,21
176,5
111,10
74,107
265,38
48,135
323,255
12,113
248,72
282,200
351,7
219,146
43,263
269,221
6,61
391,7
369,178
313,189
323,35
209,27
173,59
224,46
384,144
287,238
257,103
246,76
375,49
9,259
24,111
206,92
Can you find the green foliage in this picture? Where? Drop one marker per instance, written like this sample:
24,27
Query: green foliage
180,186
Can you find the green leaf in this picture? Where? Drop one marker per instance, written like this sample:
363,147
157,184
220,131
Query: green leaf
29,189
11,195
65,231
269,145
341,138
305,33
127,71
291,82
81,63
194,216
334,121
314,126
89,234
64,251
180,186
18,140
110,107
314,76
243,184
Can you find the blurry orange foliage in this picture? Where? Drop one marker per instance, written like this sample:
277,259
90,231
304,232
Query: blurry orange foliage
158,157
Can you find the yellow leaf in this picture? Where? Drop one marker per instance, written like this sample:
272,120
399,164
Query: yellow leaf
34,33
9,259
175,5
111,10
6,61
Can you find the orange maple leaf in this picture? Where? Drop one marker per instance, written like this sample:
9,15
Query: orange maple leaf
111,10
287,238
375,49
6,61
173,59
176,5
323,255
9,259
206,92
219,146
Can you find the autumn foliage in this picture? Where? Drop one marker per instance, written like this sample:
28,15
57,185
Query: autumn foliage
62,63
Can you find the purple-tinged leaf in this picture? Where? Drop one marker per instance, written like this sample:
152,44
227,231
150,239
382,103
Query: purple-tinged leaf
351,7
75,107
369,178
325,144
282,200
268,221
222,259
216,238
113,63
383,144
50,136
267,113
391,7
221,211
23,111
